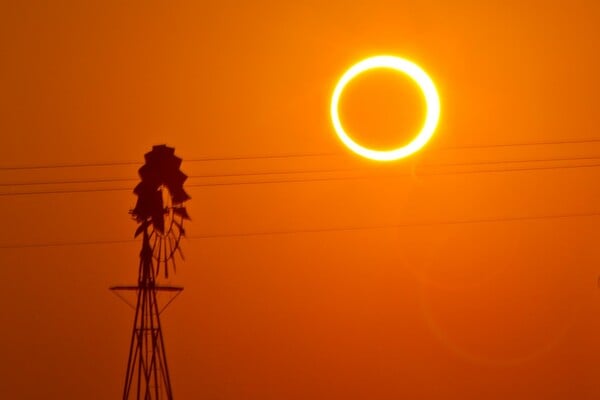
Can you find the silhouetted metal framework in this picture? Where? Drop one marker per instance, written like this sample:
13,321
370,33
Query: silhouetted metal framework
160,212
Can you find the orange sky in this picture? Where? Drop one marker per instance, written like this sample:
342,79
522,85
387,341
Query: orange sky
450,293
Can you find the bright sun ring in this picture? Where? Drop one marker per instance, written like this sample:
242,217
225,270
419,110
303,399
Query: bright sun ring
424,82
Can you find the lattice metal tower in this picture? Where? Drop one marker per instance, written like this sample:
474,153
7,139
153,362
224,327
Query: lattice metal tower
160,213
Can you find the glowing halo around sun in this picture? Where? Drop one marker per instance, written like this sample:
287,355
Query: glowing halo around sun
432,102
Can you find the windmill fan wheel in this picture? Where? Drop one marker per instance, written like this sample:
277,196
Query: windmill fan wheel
159,209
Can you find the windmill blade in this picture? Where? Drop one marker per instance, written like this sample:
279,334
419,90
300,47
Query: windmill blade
182,212
158,257
173,261
180,226
168,254
180,252
141,228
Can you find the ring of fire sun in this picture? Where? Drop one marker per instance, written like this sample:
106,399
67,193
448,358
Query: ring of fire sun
423,81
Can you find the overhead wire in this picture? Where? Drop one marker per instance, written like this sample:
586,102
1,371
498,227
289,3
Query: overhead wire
316,230
287,155
367,175
319,230
191,160
293,172
530,143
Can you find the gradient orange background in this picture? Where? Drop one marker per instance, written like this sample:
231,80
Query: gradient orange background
479,310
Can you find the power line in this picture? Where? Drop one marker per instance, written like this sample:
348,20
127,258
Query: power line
293,172
403,225
532,143
320,230
69,182
397,175
33,193
321,179
64,244
286,155
530,160
135,163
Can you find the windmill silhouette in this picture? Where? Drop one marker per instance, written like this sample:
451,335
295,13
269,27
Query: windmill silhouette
160,213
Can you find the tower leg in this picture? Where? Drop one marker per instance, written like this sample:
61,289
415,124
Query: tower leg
147,376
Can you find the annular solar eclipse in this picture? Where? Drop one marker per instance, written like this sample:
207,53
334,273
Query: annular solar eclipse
425,84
